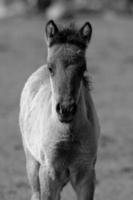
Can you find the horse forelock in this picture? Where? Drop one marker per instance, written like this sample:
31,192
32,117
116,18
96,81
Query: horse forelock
66,53
69,35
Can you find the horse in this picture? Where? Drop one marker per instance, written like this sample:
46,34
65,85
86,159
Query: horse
58,120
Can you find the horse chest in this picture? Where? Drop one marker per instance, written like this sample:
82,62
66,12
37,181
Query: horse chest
46,138
69,147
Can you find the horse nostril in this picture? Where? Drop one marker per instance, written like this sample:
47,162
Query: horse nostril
58,108
66,110
73,108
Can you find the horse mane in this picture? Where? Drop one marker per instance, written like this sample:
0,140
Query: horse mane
87,81
69,34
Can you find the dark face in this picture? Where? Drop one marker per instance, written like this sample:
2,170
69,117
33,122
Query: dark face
66,65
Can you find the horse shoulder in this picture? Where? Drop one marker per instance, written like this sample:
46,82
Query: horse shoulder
34,82
30,108
32,86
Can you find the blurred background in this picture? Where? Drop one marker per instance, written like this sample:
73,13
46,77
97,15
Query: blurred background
110,63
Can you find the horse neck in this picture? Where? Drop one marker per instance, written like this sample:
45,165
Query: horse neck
82,110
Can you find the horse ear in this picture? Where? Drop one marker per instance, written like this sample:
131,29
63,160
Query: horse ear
86,31
51,30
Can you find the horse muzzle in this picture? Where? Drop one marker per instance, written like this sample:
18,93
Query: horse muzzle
66,111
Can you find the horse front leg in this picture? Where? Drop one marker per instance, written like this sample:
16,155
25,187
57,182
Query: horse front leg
50,186
84,184
33,175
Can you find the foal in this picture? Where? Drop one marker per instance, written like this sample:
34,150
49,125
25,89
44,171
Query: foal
58,121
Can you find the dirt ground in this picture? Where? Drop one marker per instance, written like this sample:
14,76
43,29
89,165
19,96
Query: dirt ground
110,62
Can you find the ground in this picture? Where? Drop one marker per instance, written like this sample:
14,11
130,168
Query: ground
110,63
